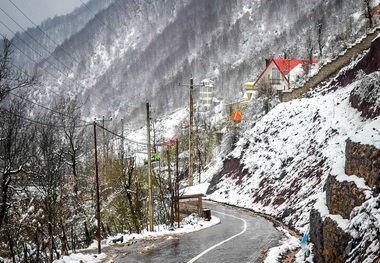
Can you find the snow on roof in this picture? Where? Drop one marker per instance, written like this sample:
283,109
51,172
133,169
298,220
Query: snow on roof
199,189
285,65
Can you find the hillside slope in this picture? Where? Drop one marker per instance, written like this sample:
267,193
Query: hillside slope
280,165
134,51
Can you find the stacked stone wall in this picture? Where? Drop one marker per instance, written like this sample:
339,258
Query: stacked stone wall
342,197
363,161
330,241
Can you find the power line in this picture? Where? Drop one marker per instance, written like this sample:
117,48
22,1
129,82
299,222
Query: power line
96,16
115,1
120,136
57,45
26,32
28,46
41,123
32,59
37,63
43,32
46,108
117,9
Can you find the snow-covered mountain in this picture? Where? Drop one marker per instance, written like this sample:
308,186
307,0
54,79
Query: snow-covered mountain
134,51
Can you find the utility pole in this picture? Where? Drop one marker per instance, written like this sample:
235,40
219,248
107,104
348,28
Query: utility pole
104,148
97,191
151,223
170,189
122,145
177,182
191,144
105,151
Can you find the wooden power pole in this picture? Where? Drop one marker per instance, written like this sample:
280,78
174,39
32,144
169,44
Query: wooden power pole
191,144
177,182
151,223
97,191
191,140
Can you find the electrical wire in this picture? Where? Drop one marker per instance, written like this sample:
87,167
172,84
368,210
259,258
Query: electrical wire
42,123
34,121
120,136
26,32
96,16
46,108
38,64
57,45
43,32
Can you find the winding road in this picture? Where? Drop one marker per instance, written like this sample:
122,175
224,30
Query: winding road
240,237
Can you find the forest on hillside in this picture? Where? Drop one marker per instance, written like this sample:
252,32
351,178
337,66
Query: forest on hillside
110,65
134,51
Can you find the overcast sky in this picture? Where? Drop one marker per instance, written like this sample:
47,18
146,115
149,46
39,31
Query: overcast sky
36,10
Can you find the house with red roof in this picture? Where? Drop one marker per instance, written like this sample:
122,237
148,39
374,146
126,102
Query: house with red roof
281,73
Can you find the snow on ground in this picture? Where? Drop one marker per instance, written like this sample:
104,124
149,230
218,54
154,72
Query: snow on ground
289,153
281,141
288,243
189,224
308,133
278,151
162,130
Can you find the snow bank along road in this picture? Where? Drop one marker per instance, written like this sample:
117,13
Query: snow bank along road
238,238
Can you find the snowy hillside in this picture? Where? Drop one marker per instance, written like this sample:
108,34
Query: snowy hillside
280,165
294,147
134,51
35,44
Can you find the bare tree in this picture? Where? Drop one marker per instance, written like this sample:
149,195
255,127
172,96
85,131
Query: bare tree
123,180
10,78
266,93
74,132
320,44
15,150
16,134
368,13
49,171
310,51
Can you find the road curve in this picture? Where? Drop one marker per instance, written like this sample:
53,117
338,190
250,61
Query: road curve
239,237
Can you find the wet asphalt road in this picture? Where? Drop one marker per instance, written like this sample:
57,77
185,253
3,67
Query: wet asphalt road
239,237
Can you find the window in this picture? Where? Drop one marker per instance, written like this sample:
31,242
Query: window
276,76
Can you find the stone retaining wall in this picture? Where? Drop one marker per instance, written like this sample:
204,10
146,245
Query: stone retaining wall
342,197
330,241
363,161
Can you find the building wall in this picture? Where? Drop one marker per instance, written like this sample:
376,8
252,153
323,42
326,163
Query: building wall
283,84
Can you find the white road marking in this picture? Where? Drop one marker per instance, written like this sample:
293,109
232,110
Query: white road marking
224,241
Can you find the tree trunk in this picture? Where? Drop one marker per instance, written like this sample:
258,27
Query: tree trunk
65,246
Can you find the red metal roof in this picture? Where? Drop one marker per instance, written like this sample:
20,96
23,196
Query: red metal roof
171,141
284,65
